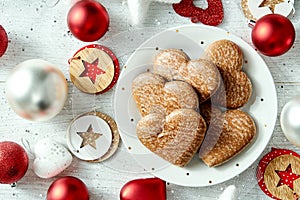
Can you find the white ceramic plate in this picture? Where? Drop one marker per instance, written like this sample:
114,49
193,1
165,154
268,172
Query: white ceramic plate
262,105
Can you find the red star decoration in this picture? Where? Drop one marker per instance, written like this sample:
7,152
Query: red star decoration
91,70
287,177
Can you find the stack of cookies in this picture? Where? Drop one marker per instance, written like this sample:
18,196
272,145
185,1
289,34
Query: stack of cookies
189,105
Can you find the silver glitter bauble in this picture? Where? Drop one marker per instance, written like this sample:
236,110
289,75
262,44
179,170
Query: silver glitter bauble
290,120
36,90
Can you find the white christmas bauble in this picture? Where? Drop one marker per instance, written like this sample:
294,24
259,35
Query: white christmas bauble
290,120
229,193
51,158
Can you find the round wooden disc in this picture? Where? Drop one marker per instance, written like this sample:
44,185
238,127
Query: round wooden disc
272,179
115,136
278,174
246,10
99,144
94,69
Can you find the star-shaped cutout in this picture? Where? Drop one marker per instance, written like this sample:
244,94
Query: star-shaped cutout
270,4
91,70
287,177
89,137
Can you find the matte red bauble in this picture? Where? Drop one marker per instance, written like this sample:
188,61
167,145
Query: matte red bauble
14,162
88,20
144,189
3,41
68,188
273,35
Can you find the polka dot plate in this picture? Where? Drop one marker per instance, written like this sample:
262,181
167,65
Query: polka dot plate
262,106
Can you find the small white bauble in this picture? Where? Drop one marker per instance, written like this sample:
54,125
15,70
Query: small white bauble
290,120
51,158
229,193
36,90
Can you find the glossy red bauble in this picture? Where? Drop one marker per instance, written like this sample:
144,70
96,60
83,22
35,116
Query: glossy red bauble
273,35
67,188
14,162
3,41
144,189
88,20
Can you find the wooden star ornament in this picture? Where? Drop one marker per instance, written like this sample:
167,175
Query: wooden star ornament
93,136
94,69
255,9
278,174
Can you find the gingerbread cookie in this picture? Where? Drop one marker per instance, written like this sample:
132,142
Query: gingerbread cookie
152,93
214,119
175,137
229,133
236,89
174,64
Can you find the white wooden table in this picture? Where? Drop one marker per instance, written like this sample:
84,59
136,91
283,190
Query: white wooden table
36,29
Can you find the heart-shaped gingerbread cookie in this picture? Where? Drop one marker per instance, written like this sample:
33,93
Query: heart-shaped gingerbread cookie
175,137
236,89
203,75
153,93
228,134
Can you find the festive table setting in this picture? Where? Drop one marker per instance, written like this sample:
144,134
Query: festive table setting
150,99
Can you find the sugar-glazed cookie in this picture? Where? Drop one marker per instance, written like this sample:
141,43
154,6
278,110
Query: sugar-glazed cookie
237,130
236,89
152,93
175,137
174,64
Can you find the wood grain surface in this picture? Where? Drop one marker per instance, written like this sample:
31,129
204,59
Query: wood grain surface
38,29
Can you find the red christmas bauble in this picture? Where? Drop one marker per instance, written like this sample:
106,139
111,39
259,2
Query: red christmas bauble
3,41
88,20
144,189
273,35
68,188
14,162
